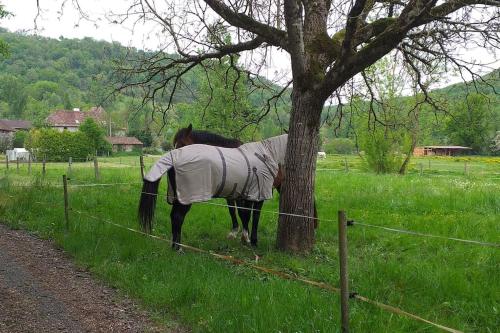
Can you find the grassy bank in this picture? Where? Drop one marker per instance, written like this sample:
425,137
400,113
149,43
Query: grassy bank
452,283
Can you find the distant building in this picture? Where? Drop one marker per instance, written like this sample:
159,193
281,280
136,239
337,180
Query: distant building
441,150
8,129
71,120
17,125
5,129
124,143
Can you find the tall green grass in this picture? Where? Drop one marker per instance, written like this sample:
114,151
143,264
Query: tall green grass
452,283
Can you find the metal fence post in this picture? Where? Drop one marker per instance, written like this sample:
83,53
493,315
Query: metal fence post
7,161
29,164
66,202
70,161
43,166
17,164
344,276
96,167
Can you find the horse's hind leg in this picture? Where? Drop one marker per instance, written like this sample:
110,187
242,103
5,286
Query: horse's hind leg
232,211
244,211
257,206
177,215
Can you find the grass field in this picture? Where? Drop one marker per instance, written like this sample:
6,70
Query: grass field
454,284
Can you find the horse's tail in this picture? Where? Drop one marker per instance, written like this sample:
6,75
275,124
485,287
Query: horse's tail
147,204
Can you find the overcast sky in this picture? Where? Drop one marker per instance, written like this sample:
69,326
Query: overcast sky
51,23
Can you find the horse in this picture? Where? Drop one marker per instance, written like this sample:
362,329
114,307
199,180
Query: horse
186,136
197,173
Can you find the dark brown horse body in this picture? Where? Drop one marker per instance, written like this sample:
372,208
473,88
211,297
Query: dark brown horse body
186,136
246,208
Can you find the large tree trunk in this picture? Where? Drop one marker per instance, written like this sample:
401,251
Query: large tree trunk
296,234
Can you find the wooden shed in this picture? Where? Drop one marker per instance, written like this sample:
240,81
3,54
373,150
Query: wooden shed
441,150
124,143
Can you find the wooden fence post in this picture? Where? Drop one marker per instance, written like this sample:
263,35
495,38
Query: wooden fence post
96,167
7,160
142,166
421,168
465,168
344,276
70,161
66,202
346,165
43,166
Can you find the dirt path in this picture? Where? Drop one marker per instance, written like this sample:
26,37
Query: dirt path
41,290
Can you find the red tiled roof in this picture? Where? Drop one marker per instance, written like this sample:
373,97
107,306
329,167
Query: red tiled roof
66,118
123,140
5,127
17,124
74,118
97,112
447,147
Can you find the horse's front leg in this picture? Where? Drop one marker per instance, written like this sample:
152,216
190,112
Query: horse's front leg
244,211
232,211
177,215
257,206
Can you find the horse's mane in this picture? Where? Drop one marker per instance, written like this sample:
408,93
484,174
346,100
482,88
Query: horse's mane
208,138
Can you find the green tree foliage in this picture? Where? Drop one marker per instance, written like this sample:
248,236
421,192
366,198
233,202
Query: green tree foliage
19,138
95,135
14,94
144,136
339,146
58,146
43,75
224,107
470,123
4,47
495,144
382,149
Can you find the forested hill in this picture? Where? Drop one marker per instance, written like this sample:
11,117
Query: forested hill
43,74
489,84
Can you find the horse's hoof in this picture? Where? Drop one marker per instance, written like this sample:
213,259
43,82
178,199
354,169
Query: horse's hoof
244,238
233,234
180,250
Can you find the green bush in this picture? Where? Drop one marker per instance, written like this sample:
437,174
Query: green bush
382,153
95,135
58,146
19,139
152,151
339,146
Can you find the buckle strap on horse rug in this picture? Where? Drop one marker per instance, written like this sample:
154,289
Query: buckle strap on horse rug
224,172
243,193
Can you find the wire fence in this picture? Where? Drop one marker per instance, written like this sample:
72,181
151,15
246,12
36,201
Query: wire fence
350,222
281,274
271,271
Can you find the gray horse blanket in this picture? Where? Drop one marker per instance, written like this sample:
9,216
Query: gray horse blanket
203,172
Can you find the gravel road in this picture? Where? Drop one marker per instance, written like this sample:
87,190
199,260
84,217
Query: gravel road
41,290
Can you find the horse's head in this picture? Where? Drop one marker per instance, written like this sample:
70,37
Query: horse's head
278,180
183,137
